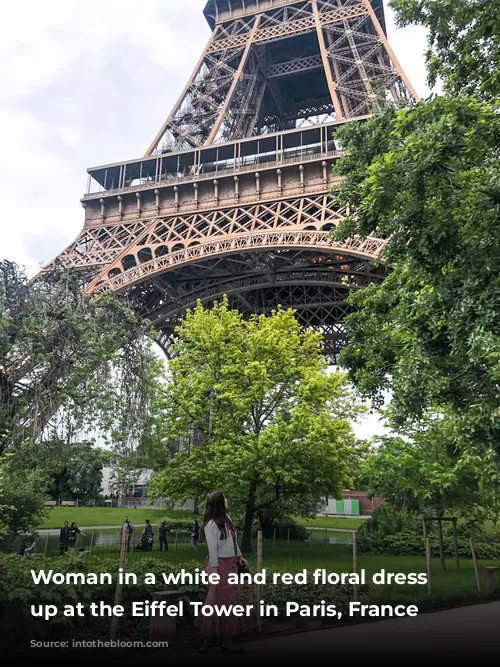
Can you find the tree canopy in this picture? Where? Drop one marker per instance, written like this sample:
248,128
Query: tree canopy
464,42
75,470
62,349
268,423
427,180
424,473
70,365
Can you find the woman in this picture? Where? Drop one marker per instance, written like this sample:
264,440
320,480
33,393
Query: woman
74,531
223,550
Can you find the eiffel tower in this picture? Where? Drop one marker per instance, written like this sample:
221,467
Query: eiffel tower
233,196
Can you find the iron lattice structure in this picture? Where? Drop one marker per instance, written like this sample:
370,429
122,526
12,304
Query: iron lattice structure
235,195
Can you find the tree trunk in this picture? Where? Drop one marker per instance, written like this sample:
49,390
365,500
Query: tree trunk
246,545
265,524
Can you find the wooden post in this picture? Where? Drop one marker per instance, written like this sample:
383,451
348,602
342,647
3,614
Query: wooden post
489,575
426,532
474,561
455,544
119,585
441,545
176,537
260,560
326,535
92,540
355,595
46,545
428,564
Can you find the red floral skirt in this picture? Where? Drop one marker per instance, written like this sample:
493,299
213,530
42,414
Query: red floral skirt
222,593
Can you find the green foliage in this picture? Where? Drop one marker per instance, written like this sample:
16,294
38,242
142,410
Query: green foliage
85,360
399,532
22,501
283,530
410,544
182,523
388,520
425,472
78,472
268,423
18,591
464,42
427,180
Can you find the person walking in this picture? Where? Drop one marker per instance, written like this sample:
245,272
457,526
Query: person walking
148,536
129,529
64,539
162,536
74,531
223,552
195,535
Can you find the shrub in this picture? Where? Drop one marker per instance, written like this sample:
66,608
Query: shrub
181,523
283,530
18,591
397,532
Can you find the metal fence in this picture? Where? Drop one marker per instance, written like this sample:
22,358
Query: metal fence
334,550
178,548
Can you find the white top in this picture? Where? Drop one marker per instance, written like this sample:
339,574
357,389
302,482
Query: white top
217,547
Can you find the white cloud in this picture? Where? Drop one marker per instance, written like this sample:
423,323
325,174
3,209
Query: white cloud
86,83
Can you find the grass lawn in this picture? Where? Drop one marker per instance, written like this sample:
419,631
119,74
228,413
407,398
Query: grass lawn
113,516
106,516
332,522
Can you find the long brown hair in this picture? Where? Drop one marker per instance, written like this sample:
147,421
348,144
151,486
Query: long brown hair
216,511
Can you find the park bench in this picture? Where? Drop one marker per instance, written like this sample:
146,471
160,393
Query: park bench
50,503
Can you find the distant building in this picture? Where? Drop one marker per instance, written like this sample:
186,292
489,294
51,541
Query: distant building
352,503
134,488
134,492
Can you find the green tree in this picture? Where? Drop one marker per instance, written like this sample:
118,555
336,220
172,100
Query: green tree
427,179
22,500
427,474
464,42
124,474
272,425
76,471
83,359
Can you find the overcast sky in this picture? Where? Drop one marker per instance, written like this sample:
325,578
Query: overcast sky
87,83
